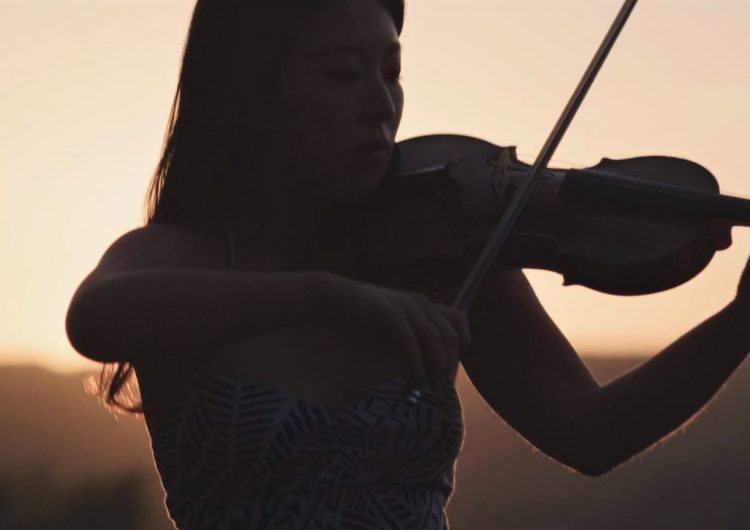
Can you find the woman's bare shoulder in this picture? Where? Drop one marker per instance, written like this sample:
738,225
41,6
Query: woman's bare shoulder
155,246
161,245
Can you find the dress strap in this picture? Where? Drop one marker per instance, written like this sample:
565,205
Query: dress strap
230,244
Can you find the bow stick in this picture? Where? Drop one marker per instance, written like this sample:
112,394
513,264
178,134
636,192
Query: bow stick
467,293
468,290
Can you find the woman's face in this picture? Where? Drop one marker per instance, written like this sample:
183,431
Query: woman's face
339,101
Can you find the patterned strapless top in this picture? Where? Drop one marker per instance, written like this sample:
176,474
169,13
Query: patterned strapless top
239,455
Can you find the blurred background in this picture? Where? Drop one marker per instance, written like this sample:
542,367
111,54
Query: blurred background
86,91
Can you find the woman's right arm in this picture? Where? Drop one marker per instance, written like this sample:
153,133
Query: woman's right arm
144,298
182,312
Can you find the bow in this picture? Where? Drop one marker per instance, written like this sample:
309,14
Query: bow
466,294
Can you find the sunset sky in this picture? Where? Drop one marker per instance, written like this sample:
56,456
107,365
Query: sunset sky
87,86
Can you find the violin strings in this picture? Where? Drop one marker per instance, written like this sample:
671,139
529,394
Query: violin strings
554,162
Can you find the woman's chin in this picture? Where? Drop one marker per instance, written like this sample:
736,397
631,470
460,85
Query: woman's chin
354,187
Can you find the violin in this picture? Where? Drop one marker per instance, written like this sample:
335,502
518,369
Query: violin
626,227
442,213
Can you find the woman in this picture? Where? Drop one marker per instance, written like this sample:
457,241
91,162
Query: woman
271,387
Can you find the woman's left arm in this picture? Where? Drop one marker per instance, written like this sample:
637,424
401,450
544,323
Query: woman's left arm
530,374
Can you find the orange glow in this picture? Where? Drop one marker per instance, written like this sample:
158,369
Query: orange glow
87,88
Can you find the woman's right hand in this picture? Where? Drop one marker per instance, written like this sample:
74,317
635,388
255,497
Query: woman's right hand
430,336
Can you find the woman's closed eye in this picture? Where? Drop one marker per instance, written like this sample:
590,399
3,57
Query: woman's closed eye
352,75
344,75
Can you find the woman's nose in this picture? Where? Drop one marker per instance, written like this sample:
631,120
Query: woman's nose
379,105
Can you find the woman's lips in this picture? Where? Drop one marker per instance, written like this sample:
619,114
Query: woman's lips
375,145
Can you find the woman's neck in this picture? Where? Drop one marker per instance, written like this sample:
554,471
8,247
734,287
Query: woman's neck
277,222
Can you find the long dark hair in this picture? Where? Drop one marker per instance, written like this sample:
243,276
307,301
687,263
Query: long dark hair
219,109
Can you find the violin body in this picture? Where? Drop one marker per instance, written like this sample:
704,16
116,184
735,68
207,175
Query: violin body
624,227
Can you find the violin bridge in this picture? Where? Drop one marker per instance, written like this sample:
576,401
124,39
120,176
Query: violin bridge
501,177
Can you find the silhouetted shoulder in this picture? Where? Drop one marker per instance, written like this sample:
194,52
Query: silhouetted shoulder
162,245
158,246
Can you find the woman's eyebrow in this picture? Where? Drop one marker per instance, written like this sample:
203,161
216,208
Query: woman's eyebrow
356,50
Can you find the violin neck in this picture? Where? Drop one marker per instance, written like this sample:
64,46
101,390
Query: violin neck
648,196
